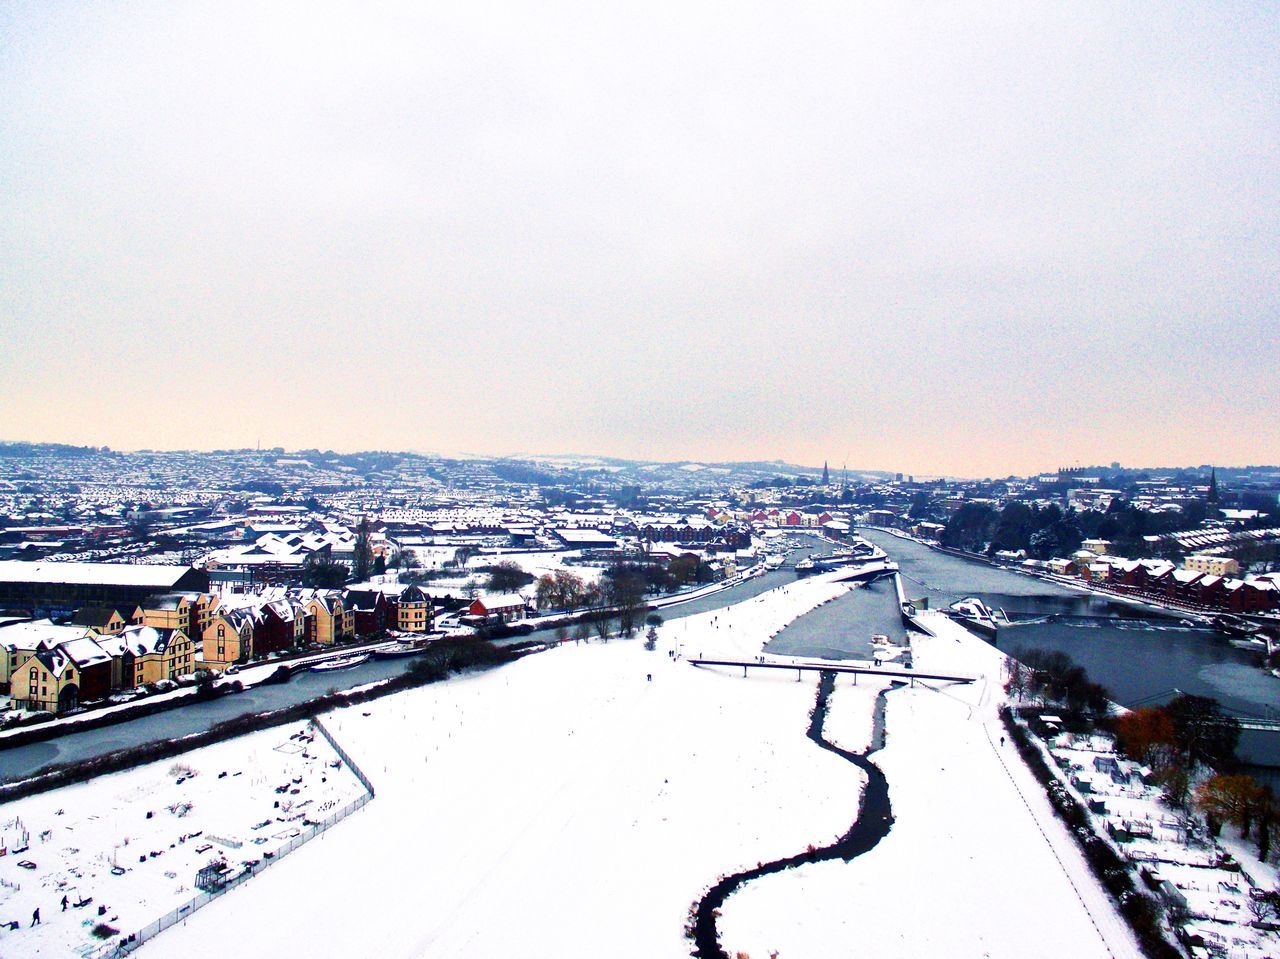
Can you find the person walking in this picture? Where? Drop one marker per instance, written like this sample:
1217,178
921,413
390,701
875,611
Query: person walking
64,903
35,917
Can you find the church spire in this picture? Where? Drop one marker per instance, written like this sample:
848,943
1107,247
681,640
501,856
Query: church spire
1213,486
826,474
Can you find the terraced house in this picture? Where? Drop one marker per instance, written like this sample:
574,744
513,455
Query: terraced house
57,679
228,638
329,620
157,654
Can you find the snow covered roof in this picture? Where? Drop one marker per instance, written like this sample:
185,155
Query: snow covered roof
84,652
87,574
501,600
39,634
141,640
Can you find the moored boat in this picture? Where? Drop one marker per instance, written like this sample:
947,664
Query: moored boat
341,662
399,650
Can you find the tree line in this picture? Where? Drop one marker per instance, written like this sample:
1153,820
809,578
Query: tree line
1043,532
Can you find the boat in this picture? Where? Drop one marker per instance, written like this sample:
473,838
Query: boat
399,650
774,560
860,552
1235,625
342,662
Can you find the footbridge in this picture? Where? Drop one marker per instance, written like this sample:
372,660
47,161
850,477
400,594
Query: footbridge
856,671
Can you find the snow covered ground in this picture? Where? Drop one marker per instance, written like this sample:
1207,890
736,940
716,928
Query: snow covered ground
564,805
580,801
132,842
975,864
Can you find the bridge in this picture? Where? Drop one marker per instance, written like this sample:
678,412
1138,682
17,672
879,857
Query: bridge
856,671
1250,721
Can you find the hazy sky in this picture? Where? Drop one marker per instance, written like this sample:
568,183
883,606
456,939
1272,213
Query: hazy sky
963,238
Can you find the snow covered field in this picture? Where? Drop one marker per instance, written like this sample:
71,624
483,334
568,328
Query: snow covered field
580,801
132,842
975,865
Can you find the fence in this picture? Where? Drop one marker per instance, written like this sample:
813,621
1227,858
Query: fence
342,754
127,944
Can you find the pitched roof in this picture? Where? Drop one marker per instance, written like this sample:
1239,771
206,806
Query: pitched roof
90,616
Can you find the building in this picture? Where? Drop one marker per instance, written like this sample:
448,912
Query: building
190,612
19,641
498,608
282,626
412,611
329,620
44,588
228,638
100,620
369,607
157,654
1214,565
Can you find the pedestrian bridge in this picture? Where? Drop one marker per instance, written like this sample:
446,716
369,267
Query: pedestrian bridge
832,668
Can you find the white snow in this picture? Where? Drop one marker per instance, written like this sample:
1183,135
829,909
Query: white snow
157,825
975,864
568,805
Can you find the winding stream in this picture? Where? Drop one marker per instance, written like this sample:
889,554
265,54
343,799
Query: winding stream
873,822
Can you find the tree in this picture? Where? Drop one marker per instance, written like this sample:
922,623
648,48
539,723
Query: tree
506,577
561,590
1017,678
1230,798
602,623
362,553
626,591
1264,906
1204,733
1148,736
323,573
651,639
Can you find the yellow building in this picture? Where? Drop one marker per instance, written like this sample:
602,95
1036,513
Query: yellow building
100,620
157,654
20,641
46,682
227,639
58,679
413,611
190,612
328,620
1213,565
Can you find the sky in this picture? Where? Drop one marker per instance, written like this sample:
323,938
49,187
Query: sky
963,238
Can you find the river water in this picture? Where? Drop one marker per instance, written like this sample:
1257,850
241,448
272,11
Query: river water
1140,656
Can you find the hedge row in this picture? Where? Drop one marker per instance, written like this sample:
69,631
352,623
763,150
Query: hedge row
434,666
1141,912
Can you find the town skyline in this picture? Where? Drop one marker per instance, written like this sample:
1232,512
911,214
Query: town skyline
837,469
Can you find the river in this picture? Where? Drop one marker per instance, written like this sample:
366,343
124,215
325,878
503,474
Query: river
1140,655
